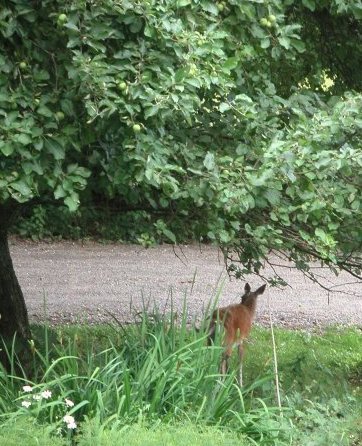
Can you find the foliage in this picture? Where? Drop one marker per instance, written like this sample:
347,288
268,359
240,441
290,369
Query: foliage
210,116
158,373
57,222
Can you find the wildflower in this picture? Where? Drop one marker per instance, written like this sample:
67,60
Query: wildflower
68,419
27,389
70,422
72,425
46,394
26,404
69,403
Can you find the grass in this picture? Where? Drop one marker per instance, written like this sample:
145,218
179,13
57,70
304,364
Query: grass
157,381
170,435
25,432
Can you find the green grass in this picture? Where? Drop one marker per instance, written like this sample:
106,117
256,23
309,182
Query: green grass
310,363
25,432
22,431
168,435
158,381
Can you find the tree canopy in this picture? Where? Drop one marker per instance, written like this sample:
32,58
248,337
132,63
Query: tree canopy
238,122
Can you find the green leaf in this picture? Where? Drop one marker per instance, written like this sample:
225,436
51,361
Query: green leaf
265,43
71,26
182,3
59,192
209,161
298,45
320,234
310,4
169,234
6,148
22,187
55,149
151,111
72,202
209,7
44,111
273,196
230,64
284,42
223,107
67,107
194,82
23,139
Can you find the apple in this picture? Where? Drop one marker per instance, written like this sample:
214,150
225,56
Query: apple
272,18
62,18
59,115
122,85
136,128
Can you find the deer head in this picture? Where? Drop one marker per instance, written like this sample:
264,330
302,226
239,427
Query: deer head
250,296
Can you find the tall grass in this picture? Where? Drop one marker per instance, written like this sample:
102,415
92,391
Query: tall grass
158,368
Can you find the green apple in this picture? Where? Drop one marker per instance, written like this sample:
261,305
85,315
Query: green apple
59,115
122,85
136,128
272,18
62,18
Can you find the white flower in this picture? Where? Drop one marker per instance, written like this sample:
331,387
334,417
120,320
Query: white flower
69,420
46,394
26,404
69,403
72,425
27,389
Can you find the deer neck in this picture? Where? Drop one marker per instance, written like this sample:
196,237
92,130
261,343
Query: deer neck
251,306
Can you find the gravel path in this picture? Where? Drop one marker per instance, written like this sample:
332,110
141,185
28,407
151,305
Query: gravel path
84,282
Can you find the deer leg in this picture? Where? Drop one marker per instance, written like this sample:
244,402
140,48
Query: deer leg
241,353
224,366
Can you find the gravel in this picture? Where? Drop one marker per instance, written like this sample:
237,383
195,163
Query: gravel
87,283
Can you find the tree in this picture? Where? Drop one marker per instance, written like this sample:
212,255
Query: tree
213,116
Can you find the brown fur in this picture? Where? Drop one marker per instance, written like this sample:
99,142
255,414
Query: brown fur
237,320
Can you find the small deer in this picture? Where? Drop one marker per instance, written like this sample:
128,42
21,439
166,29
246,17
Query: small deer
237,320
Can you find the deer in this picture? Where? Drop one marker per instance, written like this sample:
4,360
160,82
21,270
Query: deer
237,320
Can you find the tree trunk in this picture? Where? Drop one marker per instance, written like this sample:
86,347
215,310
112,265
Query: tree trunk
14,323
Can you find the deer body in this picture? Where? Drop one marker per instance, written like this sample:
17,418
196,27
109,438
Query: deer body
237,320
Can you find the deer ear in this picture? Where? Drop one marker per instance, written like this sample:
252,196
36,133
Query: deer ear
261,289
247,288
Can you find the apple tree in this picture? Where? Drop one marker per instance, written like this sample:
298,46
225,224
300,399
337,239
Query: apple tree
227,119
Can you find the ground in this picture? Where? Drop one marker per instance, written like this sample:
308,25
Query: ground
75,282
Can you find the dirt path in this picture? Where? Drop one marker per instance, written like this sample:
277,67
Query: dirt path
84,282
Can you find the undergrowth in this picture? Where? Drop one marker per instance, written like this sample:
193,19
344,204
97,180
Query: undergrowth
158,375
